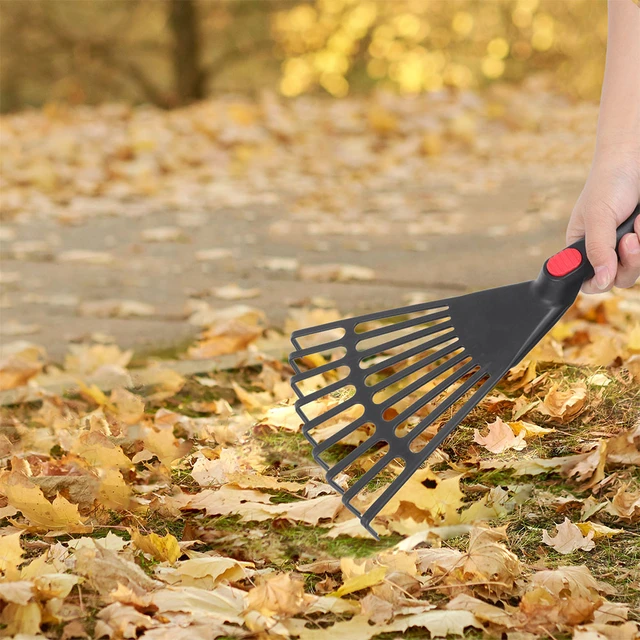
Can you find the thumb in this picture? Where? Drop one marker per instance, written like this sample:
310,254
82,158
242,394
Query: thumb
600,235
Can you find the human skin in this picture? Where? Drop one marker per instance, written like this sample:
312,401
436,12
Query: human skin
612,189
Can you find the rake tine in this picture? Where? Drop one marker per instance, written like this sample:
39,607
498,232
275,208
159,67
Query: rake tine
327,346
422,380
345,324
328,415
434,393
321,447
416,366
456,419
396,342
388,493
358,515
325,391
364,480
390,313
352,456
433,444
409,353
316,371
404,324
294,365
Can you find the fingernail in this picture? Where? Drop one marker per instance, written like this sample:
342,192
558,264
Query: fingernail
602,278
633,245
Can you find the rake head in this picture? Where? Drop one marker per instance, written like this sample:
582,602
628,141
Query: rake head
379,381
395,373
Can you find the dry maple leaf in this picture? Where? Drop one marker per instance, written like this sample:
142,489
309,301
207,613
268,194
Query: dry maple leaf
11,553
99,451
439,624
222,604
437,499
569,538
564,405
282,594
205,573
626,504
484,611
118,620
105,570
17,368
253,505
127,406
500,438
567,595
625,448
29,499
489,560
165,549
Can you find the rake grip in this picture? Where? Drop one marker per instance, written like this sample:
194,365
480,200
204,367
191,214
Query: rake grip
564,273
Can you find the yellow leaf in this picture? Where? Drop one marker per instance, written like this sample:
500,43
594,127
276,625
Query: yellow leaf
114,492
23,620
10,555
29,499
100,452
562,331
598,530
126,405
279,594
364,581
528,429
634,338
598,380
164,549
431,144
93,393
439,499
382,121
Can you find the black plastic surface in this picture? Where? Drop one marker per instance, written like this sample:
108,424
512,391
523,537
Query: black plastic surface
495,329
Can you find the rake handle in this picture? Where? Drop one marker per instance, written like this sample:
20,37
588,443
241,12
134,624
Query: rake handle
564,273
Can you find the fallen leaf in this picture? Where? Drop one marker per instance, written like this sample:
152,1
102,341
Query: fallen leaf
279,594
564,405
500,438
30,501
234,292
569,538
165,549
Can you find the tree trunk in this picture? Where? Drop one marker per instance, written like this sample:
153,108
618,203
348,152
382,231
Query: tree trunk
189,75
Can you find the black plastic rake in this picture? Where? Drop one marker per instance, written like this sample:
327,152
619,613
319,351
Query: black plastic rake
404,370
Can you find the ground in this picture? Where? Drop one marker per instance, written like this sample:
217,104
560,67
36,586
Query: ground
155,481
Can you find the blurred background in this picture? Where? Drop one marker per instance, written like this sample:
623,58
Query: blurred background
173,52
164,161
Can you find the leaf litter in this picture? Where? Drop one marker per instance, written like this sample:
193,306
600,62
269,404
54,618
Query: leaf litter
219,524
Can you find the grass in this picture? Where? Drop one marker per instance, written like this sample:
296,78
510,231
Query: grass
284,546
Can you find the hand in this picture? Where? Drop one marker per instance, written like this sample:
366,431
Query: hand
610,195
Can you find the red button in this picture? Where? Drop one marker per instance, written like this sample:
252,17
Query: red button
564,263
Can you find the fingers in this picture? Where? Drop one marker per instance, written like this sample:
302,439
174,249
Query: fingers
600,233
629,269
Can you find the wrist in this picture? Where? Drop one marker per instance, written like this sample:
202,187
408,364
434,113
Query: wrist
621,149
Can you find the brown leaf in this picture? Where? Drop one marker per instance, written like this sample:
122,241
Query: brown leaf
564,405
282,594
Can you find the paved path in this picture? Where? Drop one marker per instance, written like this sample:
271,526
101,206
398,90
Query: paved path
122,221
57,300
